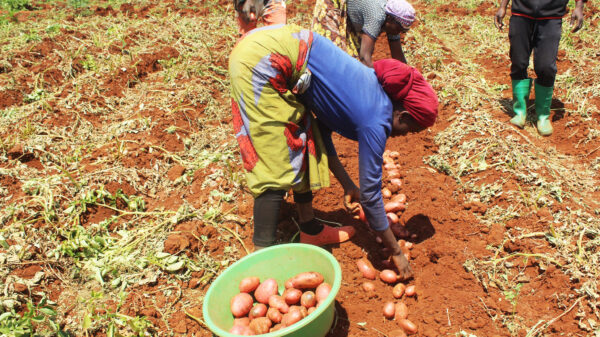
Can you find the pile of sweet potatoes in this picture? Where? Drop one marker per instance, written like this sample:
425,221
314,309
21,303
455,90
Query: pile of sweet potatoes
397,309
260,309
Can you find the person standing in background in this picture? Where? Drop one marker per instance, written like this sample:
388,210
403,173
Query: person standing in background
535,25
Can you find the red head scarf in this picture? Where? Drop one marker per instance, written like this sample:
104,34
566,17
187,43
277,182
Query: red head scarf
406,85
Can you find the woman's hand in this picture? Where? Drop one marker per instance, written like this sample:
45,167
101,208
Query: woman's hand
391,245
404,270
351,198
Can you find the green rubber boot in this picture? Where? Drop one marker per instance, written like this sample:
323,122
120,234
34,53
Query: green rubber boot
521,90
543,99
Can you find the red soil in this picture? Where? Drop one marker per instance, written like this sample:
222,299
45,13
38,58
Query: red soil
449,298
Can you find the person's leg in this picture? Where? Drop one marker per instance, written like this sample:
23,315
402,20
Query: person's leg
266,217
306,213
312,231
520,32
545,50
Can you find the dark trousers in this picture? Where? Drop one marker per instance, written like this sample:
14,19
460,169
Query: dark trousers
266,215
541,37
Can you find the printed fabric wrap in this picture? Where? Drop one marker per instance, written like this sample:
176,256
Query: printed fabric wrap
279,139
330,19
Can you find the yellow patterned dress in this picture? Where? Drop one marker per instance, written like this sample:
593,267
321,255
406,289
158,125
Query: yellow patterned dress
279,140
330,19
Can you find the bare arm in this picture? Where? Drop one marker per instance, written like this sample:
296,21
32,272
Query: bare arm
500,14
389,241
351,197
367,45
396,50
351,192
577,16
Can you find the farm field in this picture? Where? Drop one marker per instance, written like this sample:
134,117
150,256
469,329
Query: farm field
122,193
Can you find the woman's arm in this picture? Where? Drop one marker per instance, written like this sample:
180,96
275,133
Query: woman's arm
367,45
351,192
371,145
396,50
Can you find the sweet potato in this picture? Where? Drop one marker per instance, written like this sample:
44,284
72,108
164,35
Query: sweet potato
388,276
390,166
308,299
260,325
236,329
249,284
276,327
393,174
410,291
398,290
311,309
267,288
277,302
368,287
366,268
291,317
300,308
386,193
307,280
242,321
258,310
241,330
292,295
241,304
400,197
392,218
393,207
393,188
408,326
322,291
274,315
396,182
288,284
389,310
401,311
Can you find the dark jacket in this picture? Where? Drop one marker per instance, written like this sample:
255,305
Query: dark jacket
539,9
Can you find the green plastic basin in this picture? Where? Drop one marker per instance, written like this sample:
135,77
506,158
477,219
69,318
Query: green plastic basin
279,262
